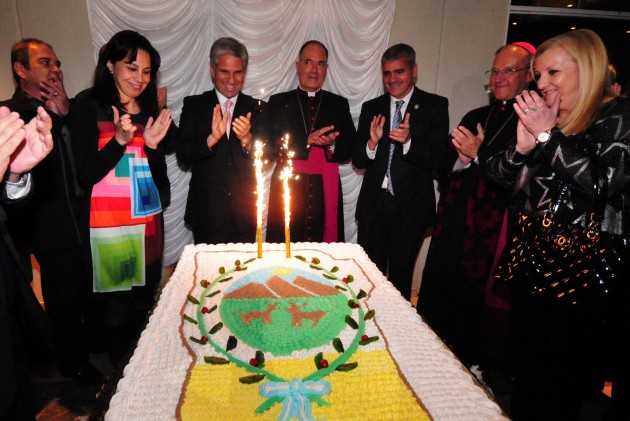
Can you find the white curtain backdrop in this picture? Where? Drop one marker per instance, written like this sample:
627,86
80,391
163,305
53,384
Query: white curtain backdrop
356,33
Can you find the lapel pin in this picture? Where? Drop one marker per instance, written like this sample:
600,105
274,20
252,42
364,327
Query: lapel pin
415,107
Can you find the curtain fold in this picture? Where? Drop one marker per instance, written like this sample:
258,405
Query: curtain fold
356,33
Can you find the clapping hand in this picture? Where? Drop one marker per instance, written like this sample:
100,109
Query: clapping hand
124,127
466,143
242,128
23,146
400,134
155,131
322,137
219,126
535,116
376,131
11,135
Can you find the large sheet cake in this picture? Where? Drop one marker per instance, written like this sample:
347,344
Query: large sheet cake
320,335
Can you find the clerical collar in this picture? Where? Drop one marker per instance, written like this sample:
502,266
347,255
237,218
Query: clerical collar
309,93
503,104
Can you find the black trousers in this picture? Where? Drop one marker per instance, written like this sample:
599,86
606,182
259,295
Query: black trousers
123,315
390,242
66,280
562,356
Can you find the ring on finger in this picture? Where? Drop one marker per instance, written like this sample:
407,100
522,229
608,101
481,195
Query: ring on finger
526,110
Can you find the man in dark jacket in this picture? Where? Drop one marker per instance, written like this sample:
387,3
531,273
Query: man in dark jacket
320,133
400,142
52,224
215,139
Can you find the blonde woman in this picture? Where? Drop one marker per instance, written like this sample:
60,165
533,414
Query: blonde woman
577,124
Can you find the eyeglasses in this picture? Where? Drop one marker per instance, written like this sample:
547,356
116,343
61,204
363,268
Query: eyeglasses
508,71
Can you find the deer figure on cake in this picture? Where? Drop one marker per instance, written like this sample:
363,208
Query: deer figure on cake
297,314
264,315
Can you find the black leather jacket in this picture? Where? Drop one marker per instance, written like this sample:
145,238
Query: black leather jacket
536,179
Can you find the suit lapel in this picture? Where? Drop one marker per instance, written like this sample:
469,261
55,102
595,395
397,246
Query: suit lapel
240,107
415,103
238,111
384,109
212,98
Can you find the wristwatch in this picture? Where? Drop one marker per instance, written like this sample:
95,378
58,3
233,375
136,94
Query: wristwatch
543,137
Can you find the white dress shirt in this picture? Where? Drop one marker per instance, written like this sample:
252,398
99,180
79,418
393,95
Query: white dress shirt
392,110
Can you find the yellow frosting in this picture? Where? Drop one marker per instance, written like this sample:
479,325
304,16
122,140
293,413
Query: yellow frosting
373,391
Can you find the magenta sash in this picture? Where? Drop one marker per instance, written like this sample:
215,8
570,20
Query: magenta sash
317,164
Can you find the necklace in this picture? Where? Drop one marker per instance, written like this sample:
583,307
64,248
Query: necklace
501,128
321,99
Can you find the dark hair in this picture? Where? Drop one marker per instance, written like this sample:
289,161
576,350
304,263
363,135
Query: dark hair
311,42
398,51
20,54
125,45
229,46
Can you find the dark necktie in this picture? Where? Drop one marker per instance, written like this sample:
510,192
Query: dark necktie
395,123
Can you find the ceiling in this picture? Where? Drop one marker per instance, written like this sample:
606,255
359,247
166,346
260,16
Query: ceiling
534,24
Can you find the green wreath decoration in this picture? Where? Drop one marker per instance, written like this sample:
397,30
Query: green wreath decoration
309,388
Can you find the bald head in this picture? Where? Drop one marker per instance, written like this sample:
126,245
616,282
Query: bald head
506,85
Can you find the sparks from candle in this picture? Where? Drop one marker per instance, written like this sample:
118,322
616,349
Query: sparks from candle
285,175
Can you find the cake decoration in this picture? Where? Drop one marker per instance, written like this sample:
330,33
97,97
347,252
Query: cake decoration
280,310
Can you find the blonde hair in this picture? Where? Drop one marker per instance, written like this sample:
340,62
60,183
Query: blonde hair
589,53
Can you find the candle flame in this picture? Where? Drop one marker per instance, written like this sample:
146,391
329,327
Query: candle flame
285,175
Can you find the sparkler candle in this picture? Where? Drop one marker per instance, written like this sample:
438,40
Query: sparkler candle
285,175
260,193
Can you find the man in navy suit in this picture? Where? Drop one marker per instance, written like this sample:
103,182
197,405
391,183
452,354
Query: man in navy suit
402,138
215,139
